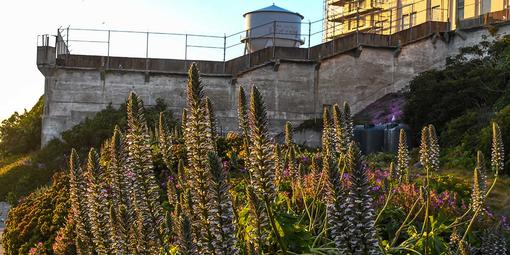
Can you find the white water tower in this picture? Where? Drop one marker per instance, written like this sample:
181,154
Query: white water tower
272,24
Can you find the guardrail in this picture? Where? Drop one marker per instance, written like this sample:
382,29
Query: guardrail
315,38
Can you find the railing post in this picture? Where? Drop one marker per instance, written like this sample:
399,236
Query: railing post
147,52
507,10
274,39
247,43
57,44
334,31
391,19
357,24
411,23
309,39
185,52
224,50
108,52
333,37
67,45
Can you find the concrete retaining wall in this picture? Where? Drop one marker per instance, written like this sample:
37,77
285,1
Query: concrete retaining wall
293,90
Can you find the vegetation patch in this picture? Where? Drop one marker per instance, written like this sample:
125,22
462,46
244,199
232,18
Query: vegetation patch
183,189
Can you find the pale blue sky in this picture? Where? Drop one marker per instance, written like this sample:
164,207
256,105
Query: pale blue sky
22,20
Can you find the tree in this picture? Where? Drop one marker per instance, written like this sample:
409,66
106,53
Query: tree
21,133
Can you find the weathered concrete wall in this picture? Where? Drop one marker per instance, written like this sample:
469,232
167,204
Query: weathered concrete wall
74,94
472,37
293,90
288,92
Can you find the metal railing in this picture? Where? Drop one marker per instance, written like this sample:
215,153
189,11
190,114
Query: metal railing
386,31
179,45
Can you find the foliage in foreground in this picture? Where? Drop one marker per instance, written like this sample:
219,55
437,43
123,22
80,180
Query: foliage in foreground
263,198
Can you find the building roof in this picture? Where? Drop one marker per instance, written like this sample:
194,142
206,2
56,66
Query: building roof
273,8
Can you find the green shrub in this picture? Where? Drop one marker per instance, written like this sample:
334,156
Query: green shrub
37,218
471,82
503,120
25,173
21,133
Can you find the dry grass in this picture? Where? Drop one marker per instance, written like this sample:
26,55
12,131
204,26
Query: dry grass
16,163
499,199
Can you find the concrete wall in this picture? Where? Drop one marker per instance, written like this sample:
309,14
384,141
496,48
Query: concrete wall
293,90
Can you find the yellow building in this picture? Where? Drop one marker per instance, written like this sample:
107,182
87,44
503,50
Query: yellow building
391,16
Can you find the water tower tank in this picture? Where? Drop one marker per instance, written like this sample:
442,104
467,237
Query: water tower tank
270,24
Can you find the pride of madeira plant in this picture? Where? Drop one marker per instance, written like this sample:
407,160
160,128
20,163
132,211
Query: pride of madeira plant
284,203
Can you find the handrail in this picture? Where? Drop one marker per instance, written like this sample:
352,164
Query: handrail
307,32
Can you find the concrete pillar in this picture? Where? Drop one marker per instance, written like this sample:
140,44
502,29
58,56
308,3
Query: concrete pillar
46,56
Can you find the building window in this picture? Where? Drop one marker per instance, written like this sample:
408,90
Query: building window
352,7
436,13
405,22
460,9
412,19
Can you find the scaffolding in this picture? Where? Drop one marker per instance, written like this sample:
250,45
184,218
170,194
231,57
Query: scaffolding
378,23
387,17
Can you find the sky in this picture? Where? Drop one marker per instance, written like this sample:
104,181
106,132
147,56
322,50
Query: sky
21,21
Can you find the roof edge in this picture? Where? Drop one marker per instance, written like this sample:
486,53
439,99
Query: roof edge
274,9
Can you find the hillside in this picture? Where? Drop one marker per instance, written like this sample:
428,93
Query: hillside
273,198
27,168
